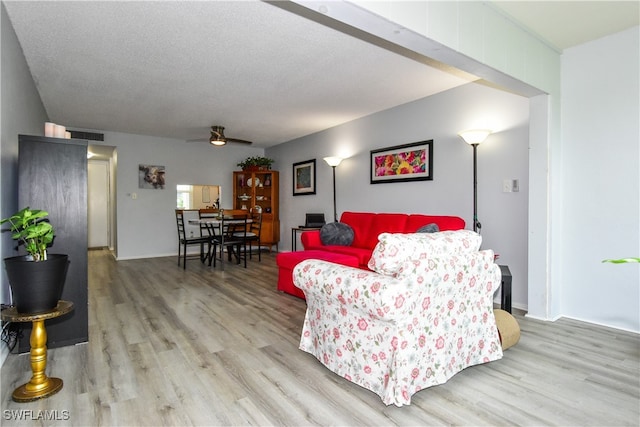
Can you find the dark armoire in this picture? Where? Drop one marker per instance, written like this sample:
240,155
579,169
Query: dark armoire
52,176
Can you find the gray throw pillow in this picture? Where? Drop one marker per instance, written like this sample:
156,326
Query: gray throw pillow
429,228
336,233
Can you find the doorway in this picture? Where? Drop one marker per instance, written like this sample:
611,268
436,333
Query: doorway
101,197
98,203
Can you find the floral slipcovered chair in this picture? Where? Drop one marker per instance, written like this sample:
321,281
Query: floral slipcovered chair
423,314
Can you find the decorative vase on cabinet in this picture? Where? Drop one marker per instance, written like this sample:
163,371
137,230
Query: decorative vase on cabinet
260,188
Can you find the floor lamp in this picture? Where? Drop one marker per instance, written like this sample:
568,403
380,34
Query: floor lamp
474,138
333,162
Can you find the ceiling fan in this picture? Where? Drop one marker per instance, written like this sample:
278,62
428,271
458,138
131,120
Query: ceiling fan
217,137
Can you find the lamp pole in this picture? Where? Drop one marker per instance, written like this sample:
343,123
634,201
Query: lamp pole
476,223
335,211
474,138
333,162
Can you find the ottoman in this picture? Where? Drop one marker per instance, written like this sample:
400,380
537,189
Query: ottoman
288,260
508,328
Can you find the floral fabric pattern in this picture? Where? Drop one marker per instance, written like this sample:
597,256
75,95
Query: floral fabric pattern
393,249
398,335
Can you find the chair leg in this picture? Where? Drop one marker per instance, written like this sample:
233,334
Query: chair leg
242,247
184,257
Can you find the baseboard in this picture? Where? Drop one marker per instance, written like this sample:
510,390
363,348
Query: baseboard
121,258
578,319
604,325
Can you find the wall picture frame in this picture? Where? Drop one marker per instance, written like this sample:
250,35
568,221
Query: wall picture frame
402,163
304,178
151,177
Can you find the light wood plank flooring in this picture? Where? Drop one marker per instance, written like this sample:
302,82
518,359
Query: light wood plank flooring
206,347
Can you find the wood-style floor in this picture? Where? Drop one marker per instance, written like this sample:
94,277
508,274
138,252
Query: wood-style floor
206,347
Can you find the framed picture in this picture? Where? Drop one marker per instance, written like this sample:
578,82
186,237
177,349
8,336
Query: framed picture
408,162
151,177
304,178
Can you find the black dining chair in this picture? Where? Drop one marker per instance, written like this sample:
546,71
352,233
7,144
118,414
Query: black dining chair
185,241
252,234
230,236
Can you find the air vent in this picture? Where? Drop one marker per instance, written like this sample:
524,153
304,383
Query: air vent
75,134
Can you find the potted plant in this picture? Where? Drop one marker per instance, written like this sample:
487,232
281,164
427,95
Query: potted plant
256,163
36,279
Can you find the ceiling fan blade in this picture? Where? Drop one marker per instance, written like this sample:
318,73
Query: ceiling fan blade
217,135
239,141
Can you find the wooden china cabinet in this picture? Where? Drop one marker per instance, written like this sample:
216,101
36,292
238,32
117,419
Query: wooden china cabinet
259,188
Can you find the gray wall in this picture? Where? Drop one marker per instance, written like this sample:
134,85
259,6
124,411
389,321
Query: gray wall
146,225
22,113
440,117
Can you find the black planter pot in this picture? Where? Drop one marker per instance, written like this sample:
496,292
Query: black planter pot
36,286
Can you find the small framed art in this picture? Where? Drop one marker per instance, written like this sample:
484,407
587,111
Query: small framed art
151,177
304,178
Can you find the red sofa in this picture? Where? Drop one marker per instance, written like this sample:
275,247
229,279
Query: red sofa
367,227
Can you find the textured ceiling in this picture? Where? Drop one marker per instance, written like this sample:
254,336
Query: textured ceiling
173,69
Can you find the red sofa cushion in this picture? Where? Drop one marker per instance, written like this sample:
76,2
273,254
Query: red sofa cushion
361,224
444,223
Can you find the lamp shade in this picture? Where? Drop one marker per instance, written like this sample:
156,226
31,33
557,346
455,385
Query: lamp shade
474,136
333,161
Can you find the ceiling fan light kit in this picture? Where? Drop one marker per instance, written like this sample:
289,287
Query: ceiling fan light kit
218,139
217,136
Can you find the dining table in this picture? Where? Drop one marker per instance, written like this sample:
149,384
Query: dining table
214,226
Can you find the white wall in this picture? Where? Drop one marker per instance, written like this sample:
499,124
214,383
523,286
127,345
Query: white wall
146,225
601,180
439,117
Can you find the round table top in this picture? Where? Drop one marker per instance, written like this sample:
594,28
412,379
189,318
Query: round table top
11,314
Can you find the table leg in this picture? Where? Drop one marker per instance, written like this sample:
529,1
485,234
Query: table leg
293,239
505,298
40,386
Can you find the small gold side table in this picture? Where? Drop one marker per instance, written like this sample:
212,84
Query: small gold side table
40,386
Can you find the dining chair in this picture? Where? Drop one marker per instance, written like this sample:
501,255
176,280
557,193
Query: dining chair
230,236
252,234
184,241
206,229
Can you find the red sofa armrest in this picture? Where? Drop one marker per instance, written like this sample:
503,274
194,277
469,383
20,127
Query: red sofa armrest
310,239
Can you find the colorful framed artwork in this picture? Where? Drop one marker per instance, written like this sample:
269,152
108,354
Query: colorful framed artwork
304,178
408,162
